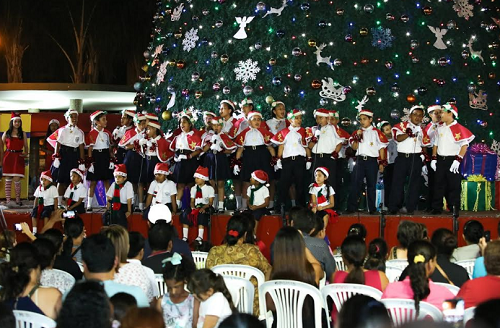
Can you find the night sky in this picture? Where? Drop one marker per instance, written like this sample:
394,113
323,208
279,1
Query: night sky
119,32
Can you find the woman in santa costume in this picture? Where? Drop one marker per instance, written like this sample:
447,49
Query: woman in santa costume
450,146
16,143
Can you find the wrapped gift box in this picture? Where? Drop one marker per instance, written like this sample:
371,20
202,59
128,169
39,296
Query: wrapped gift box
497,194
477,196
480,159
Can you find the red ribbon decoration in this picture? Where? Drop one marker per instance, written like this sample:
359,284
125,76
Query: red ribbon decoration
233,233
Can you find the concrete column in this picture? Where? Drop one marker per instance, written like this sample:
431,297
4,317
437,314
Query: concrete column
76,104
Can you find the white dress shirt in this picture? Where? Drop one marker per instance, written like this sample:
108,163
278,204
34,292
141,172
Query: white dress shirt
79,191
151,151
259,196
127,192
293,144
445,141
392,151
254,138
182,141
327,140
410,145
70,136
370,144
162,192
102,141
207,192
48,195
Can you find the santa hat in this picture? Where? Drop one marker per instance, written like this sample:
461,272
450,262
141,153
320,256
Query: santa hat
246,101
321,112
187,114
154,124
161,168
151,116
381,124
202,173
451,108
433,108
54,121
14,116
69,112
128,112
139,117
208,113
260,176
334,113
366,112
94,115
420,107
323,170
229,102
276,103
77,171
120,169
293,114
159,212
253,114
217,120
46,175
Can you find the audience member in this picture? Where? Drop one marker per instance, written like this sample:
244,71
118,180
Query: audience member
100,263
136,254
408,232
252,239
479,268
122,303
7,318
486,314
63,261
143,318
473,231
160,239
361,311
74,231
20,288
357,229
86,306
7,241
242,320
377,255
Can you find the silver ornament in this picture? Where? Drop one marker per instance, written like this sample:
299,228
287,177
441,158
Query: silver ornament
323,101
297,77
247,90
395,114
261,6
226,90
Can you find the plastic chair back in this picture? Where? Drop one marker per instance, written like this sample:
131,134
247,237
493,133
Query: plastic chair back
393,273
402,264
162,286
288,297
451,288
242,292
339,293
322,282
403,310
467,265
340,263
469,314
199,258
26,319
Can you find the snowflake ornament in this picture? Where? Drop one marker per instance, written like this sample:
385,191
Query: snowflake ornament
161,73
463,8
247,70
190,39
406,117
382,37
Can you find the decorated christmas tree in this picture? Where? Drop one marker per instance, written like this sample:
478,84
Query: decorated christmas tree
386,55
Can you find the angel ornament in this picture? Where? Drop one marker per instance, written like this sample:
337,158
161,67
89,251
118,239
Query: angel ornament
242,21
438,33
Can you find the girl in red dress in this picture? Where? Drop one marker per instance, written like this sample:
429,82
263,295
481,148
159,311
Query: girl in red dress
49,150
16,143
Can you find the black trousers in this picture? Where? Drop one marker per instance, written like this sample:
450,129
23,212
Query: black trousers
366,167
388,175
406,166
326,160
447,184
294,171
430,183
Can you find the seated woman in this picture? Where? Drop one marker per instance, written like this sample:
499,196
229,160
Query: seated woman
408,232
236,251
354,253
361,311
20,280
132,274
473,231
377,255
74,232
417,286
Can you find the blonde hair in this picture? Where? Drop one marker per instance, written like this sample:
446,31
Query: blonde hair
119,237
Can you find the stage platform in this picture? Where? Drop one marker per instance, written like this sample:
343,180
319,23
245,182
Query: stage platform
269,225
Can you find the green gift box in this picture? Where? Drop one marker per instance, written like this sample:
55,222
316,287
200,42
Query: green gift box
477,196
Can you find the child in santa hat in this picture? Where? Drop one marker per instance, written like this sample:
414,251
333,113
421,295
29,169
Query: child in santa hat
126,124
46,200
76,192
322,200
161,190
100,157
434,112
258,195
202,199
120,195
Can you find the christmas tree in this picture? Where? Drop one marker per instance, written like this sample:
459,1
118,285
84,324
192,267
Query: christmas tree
385,55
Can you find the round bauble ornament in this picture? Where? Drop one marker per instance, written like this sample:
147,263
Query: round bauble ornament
195,76
297,77
427,10
370,91
452,101
337,62
272,61
316,84
471,88
276,80
166,115
226,90
395,114
269,99
348,38
311,43
405,18
414,44
219,23
171,88
185,92
287,89
195,18
422,91
395,88
296,52
411,98
180,64
363,31
340,11
451,25
205,12
261,6
247,90
415,59
491,75
365,61
442,62
389,17
368,8
305,6
494,45
465,54
346,89
484,124
158,110
214,54
323,102
137,86
389,64
224,58
322,24
147,54
480,82
258,45
171,63
216,86
493,57
280,33
345,121
440,82
198,94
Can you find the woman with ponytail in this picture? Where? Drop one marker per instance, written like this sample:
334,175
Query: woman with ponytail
377,255
216,302
354,253
74,231
20,279
418,286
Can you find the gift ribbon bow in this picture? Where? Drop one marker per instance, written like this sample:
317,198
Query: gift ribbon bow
175,259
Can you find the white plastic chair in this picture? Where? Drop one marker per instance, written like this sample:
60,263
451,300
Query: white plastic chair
26,319
393,273
469,314
402,264
242,292
451,288
340,263
162,286
403,310
467,265
199,258
339,293
80,265
288,297
242,271
322,282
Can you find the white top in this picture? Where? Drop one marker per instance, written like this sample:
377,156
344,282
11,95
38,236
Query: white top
102,141
79,191
120,131
151,151
432,131
216,305
392,151
57,279
228,125
127,192
370,145
410,145
71,136
445,141
151,276
327,141
254,138
243,125
259,196
469,252
276,125
315,191
47,194
182,142
177,315
133,274
293,143
162,192
207,192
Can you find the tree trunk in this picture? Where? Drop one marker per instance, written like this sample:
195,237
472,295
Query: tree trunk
14,52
